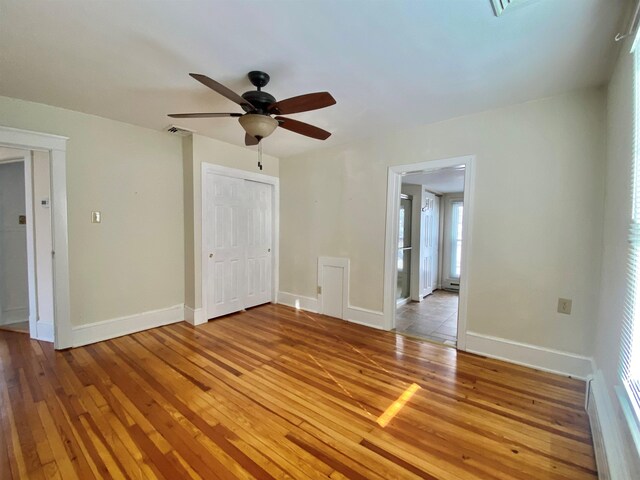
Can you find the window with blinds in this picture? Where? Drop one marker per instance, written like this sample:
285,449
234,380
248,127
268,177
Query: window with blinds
630,345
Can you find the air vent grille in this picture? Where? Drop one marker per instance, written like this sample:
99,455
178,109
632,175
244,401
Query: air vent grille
500,6
183,132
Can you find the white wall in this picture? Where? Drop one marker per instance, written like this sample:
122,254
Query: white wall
617,214
133,261
14,292
538,214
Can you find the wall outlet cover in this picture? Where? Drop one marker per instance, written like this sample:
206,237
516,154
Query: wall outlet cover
564,306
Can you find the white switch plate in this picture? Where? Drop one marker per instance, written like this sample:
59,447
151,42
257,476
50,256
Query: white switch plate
564,306
96,217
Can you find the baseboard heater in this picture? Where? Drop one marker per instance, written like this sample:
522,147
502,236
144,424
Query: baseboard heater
596,433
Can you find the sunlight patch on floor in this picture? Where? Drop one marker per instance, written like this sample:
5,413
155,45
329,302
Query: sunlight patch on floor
396,406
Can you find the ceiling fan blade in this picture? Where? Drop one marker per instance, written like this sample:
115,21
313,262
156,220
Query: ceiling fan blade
222,90
249,140
303,128
302,103
203,115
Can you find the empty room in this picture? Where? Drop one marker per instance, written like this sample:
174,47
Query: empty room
305,239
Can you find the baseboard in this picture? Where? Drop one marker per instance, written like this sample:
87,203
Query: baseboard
298,301
362,316
402,302
608,437
44,331
546,359
14,315
117,327
194,316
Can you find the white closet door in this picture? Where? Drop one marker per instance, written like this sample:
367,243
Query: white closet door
259,242
225,250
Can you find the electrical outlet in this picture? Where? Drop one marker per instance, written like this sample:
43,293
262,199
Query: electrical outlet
564,306
96,217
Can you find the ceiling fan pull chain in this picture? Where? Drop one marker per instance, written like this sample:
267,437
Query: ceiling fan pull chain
260,155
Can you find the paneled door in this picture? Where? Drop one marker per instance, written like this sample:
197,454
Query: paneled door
258,242
429,250
237,238
224,236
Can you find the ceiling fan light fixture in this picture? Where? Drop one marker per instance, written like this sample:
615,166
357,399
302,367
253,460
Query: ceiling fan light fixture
257,125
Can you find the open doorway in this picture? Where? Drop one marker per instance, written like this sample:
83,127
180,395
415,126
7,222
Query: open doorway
26,264
435,271
430,234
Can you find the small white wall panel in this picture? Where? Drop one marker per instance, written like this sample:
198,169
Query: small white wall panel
332,291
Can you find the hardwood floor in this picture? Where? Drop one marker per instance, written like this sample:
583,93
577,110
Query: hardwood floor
276,393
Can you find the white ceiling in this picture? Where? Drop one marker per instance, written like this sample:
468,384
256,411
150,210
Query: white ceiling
445,180
390,65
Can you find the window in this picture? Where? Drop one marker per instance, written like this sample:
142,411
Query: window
630,344
456,238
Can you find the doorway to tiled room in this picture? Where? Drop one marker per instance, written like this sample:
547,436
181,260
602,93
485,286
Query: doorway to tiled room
434,318
429,254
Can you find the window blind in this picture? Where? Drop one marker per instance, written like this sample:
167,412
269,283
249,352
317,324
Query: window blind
630,341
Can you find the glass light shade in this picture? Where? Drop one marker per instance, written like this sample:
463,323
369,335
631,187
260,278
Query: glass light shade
258,126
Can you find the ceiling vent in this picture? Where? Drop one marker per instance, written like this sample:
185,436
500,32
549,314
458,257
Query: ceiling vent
501,6
183,132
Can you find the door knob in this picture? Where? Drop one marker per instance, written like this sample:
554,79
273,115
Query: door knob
211,255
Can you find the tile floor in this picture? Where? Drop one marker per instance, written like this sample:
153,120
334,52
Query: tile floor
435,318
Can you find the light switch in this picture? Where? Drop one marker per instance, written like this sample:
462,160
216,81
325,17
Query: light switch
96,217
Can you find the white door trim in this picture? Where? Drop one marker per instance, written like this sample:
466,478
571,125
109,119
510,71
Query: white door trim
31,247
57,147
255,177
394,183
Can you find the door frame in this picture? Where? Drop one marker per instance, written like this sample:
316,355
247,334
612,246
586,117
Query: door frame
275,205
56,147
394,185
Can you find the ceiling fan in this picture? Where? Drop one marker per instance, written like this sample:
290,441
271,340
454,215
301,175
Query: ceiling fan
259,107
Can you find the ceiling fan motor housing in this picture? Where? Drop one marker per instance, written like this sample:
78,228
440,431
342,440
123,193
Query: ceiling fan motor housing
260,100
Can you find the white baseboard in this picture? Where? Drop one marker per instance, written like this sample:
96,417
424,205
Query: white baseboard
44,331
608,437
362,316
117,327
402,302
298,301
194,316
14,315
546,359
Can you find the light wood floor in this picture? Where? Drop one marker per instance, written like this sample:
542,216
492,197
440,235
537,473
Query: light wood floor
275,393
